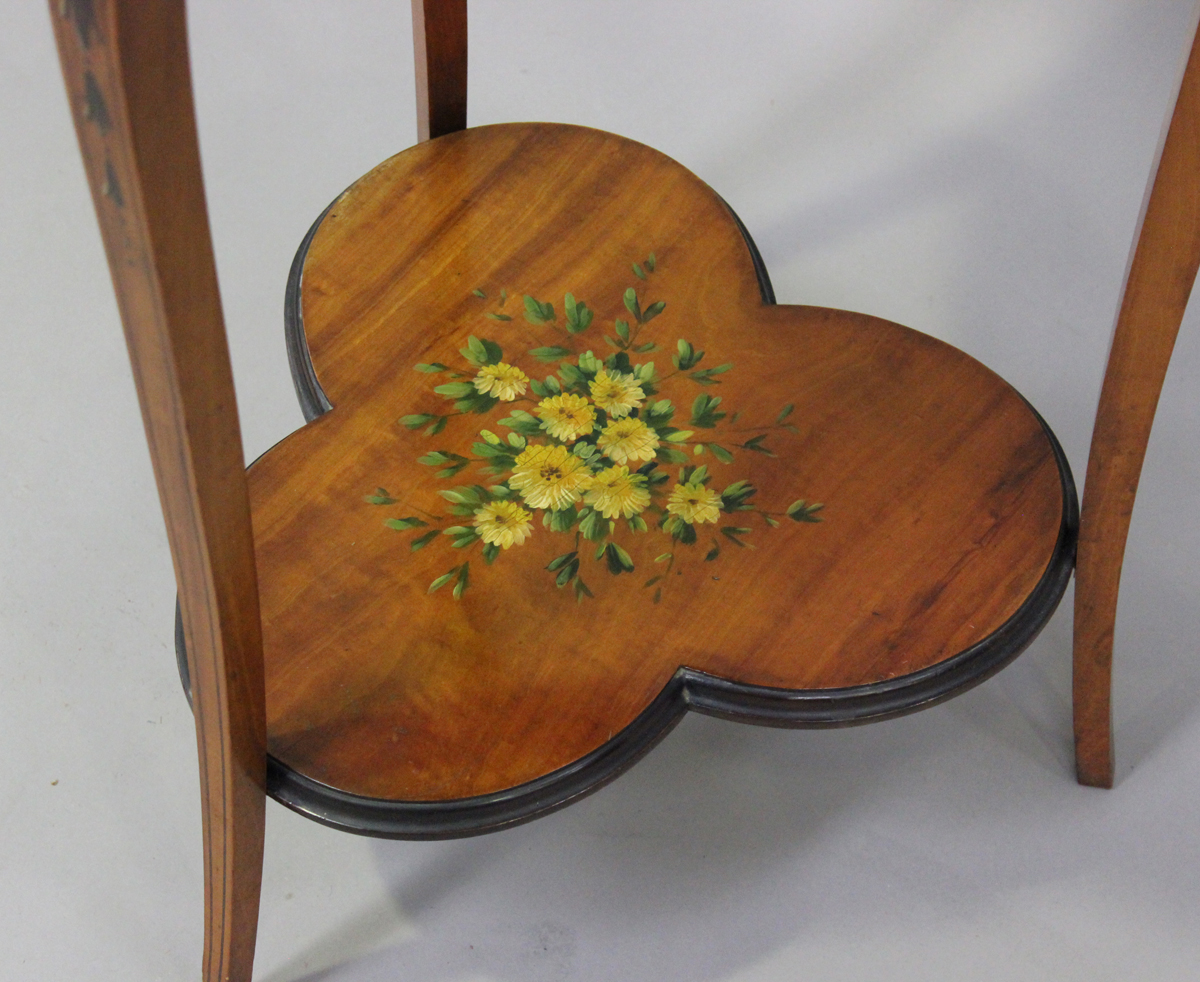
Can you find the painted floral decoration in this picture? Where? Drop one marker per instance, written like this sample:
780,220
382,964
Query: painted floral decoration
591,459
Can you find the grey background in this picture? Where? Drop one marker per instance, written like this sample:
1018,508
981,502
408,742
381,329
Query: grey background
972,169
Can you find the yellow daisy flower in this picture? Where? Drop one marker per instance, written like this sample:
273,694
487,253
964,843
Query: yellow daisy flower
503,523
615,492
549,477
505,382
567,417
694,503
628,439
615,393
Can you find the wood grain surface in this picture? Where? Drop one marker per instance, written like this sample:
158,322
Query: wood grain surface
440,63
1157,287
125,65
943,501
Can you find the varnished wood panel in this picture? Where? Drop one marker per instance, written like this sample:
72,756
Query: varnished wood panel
943,499
1157,288
126,70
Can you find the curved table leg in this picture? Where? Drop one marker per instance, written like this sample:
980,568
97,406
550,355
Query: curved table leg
1157,288
125,63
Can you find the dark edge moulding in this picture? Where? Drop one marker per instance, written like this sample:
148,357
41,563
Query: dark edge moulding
687,690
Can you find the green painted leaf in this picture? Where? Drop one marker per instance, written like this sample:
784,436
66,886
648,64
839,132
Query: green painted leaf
498,317
758,448
658,413
618,560
589,364
476,403
784,413
592,526
549,353
380,497
632,305
704,376
581,589
560,561
524,423
535,311
651,262
404,524
442,580
637,271
723,455
423,540
653,311
569,373
801,511
463,581
431,369
480,294
474,352
455,390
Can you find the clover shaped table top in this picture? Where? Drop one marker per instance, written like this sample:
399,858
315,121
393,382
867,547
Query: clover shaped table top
610,543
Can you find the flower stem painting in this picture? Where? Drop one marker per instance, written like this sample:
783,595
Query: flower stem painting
598,451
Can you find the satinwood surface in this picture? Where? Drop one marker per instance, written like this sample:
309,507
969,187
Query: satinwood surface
943,502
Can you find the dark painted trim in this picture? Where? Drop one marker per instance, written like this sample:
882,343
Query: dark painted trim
760,268
181,662
486,813
687,689
313,401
